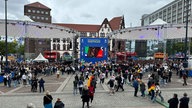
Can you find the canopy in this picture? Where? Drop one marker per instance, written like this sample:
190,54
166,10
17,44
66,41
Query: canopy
29,29
153,32
40,58
158,22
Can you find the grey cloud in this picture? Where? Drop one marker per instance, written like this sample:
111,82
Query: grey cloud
88,11
14,8
86,15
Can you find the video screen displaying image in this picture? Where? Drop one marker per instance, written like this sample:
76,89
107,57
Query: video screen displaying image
92,52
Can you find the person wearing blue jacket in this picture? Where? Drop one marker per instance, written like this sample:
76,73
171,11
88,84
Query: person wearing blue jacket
136,86
41,85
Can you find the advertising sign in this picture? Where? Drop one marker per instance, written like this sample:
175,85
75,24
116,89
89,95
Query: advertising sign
93,49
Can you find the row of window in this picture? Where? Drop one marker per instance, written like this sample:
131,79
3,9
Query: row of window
37,11
84,34
65,47
38,17
164,13
64,40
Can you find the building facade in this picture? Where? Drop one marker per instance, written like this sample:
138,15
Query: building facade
41,13
172,13
94,31
38,12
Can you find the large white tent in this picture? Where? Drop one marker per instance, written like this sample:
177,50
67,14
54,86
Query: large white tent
29,29
40,58
156,31
158,22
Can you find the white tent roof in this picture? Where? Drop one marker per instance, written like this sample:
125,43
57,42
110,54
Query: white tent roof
25,28
40,58
158,22
26,18
153,32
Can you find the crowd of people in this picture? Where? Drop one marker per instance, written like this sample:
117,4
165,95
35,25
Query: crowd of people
118,75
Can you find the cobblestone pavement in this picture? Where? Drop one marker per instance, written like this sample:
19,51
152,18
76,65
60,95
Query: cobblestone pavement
62,88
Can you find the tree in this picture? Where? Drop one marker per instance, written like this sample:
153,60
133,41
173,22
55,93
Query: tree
13,48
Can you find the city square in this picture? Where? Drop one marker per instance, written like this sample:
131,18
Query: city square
44,59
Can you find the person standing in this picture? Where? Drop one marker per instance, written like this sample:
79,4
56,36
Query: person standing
59,104
173,102
184,101
47,100
158,92
24,78
34,84
111,83
58,73
119,82
142,88
136,86
80,84
75,83
91,94
41,85
184,79
85,96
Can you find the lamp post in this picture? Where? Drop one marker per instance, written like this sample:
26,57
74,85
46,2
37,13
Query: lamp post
186,35
6,49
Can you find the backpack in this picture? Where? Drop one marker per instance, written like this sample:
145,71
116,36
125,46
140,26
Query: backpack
91,91
111,83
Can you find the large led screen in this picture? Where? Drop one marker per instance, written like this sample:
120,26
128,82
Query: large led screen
93,49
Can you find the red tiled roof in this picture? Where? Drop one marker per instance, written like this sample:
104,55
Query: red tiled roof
38,5
115,23
81,27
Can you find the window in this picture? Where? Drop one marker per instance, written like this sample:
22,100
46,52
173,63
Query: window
29,10
38,17
42,12
64,40
42,18
46,18
64,47
92,34
38,11
54,47
34,17
58,40
83,34
68,47
33,11
102,34
54,40
105,25
70,44
46,12
68,40
58,46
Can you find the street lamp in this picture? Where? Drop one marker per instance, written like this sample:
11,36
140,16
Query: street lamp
185,65
6,49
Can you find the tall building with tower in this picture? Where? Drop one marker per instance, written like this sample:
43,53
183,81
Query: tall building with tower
38,12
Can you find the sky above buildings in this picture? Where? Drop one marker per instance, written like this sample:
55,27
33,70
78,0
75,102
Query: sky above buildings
88,11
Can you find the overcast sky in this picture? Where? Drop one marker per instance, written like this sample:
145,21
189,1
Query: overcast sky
88,11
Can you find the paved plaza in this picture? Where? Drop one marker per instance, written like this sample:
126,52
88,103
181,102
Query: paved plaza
62,88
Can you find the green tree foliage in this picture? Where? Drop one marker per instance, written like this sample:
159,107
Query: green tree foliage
13,48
